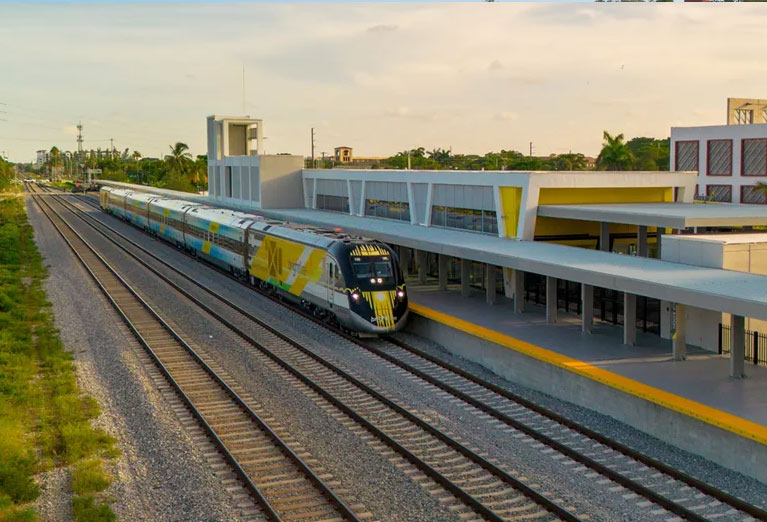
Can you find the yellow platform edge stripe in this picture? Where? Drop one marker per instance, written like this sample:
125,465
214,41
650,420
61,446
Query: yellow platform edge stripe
690,408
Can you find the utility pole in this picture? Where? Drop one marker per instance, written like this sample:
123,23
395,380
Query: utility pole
80,146
313,165
531,149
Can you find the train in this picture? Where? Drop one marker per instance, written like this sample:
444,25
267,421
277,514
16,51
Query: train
351,282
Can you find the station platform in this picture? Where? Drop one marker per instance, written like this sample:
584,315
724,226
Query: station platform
698,388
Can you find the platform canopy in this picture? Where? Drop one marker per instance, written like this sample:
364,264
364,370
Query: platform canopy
728,291
667,215
715,289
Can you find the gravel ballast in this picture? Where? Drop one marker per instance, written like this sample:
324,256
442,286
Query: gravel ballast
533,463
159,474
373,480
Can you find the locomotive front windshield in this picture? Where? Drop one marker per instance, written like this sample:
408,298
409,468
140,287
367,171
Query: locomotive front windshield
376,270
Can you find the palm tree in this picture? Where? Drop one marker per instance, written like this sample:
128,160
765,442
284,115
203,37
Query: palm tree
761,188
136,156
615,154
179,158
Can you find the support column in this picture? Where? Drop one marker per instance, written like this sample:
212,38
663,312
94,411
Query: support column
679,333
551,299
421,258
629,319
404,260
442,265
465,277
587,308
604,236
658,243
642,241
519,291
490,284
737,345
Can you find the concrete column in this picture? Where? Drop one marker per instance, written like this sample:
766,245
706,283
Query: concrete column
490,284
442,264
404,261
629,319
519,291
551,299
421,258
658,243
737,345
587,308
642,241
604,236
465,277
679,343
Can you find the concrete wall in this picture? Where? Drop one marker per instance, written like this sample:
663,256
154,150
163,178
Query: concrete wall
736,133
742,253
281,182
721,446
424,189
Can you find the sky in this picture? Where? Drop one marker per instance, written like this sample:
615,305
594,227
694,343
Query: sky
379,77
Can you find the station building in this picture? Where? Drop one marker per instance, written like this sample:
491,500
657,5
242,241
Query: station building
614,290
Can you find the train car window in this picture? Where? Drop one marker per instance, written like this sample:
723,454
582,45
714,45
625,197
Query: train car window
383,269
363,270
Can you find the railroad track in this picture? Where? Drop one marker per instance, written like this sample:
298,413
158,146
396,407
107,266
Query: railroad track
274,474
657,483
472,485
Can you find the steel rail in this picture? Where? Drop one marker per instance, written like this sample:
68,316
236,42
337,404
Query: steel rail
672,472
472,502
324,488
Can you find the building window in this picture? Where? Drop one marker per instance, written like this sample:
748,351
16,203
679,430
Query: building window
750,195
387,209
484,221
333,203
719,193
744,116
754,157
719,158
686,155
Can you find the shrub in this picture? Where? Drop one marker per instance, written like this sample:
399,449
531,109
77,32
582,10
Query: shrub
85,509
89,477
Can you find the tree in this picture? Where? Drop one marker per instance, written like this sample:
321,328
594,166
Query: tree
761,188
7,174
649,153
615,154
179,159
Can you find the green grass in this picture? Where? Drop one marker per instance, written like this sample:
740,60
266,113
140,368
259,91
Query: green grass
44,418
63,185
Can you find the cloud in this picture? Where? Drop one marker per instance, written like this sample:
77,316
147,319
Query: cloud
406,112
507,116
382,28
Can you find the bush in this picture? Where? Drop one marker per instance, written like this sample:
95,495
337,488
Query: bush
89,477
85,509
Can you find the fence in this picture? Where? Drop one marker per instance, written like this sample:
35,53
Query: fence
608,304
756,345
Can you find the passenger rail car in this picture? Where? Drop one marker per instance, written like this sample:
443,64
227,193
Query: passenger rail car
353,282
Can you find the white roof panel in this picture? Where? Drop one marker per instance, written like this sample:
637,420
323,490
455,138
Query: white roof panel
710,288
670,215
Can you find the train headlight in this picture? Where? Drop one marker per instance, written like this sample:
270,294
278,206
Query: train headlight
372,279
401,294
380,280
356,296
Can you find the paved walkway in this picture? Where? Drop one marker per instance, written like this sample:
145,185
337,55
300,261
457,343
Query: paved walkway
703,377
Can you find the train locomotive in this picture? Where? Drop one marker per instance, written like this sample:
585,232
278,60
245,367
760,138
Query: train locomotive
348,281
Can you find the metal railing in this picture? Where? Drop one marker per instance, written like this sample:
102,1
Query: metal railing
756,345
